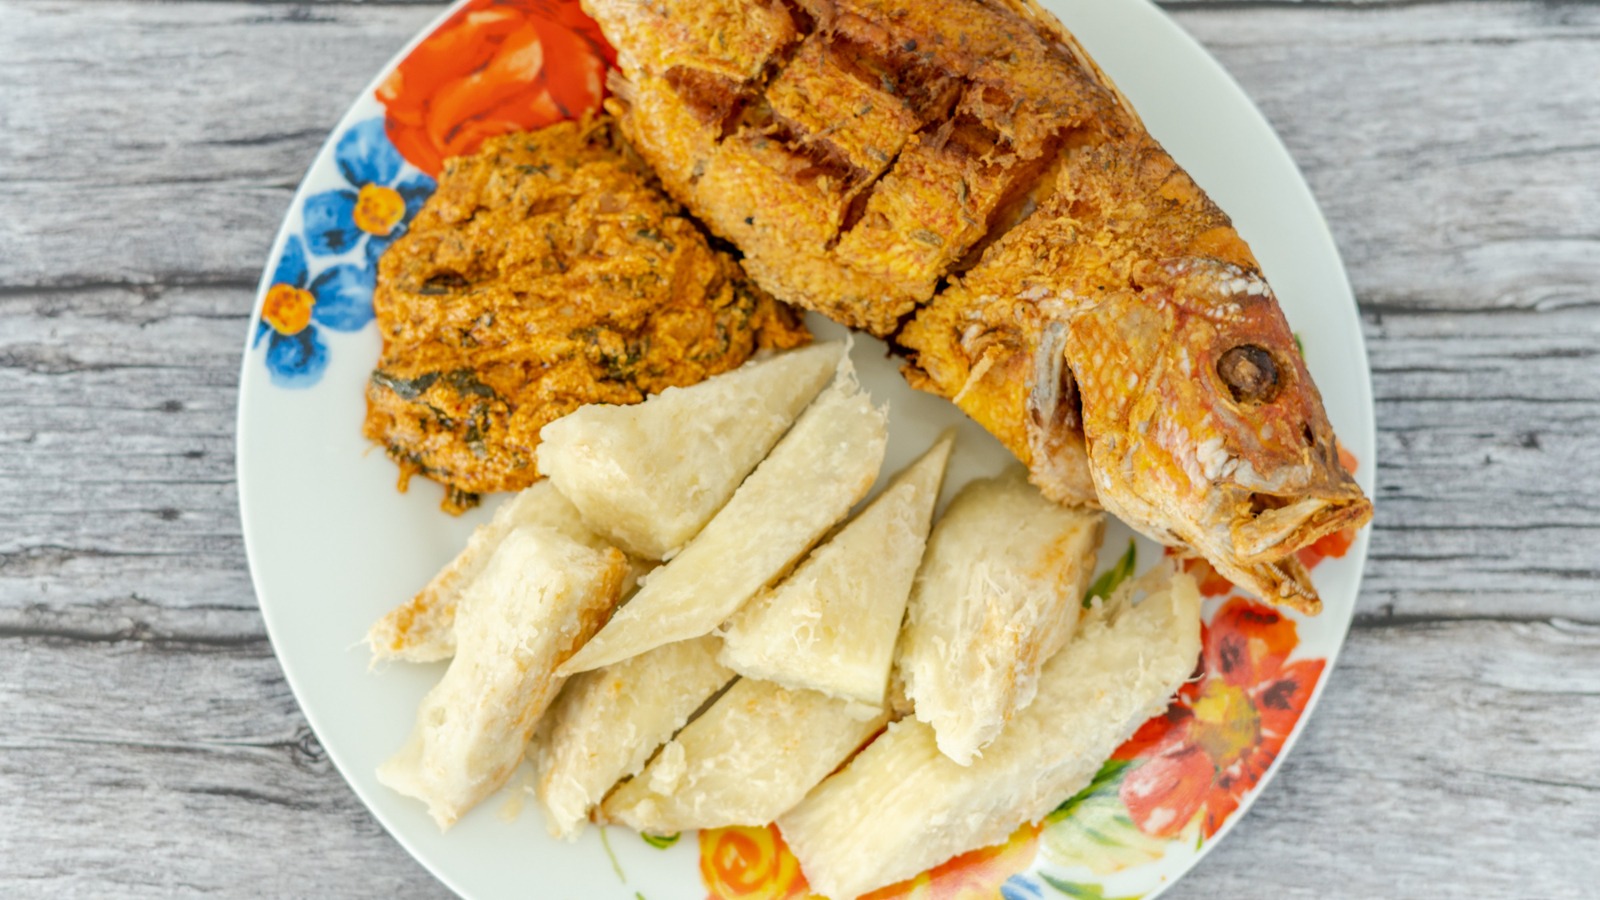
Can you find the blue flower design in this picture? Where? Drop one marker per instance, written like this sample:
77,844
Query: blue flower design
1019,887
377,202
339,298
374,206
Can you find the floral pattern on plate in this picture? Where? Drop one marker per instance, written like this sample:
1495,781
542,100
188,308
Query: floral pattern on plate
346,229
1184,773
493,67
1219,736
376,202
339,297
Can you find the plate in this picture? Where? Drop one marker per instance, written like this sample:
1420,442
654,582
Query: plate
332,544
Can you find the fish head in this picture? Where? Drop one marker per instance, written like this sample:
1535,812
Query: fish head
1205,428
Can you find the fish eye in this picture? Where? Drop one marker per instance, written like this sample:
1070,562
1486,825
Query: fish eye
1250,373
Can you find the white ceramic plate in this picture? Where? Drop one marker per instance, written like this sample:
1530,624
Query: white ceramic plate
332,544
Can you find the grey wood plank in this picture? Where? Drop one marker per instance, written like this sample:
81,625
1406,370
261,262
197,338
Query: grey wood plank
175,767
1486,496
1444,143
169,138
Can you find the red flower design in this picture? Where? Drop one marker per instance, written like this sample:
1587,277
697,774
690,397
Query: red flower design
1225,728
496,66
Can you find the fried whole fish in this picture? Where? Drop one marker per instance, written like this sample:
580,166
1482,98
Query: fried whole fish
962,180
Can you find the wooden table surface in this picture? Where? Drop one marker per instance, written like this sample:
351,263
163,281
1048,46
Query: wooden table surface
151,748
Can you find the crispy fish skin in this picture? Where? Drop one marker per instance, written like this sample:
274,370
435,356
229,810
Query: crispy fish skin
921,125
963,180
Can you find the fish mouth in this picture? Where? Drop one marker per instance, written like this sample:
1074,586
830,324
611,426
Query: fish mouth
1267,538
1276,527
1285,581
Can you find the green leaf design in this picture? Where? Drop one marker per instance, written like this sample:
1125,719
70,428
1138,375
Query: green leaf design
1094,830
1299,345
1080,890
1113,577
1106,781
660,842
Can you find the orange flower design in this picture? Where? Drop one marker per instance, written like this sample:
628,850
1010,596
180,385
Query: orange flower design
287,308
1224,730
755,864
749,864
496,66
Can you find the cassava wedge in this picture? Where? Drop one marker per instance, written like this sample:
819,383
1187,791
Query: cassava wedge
814,475
607,723
752,755
998,594
423,628
831,626
650,476
540,596
901,806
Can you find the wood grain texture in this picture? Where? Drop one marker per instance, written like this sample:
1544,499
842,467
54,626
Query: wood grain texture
148,151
